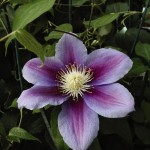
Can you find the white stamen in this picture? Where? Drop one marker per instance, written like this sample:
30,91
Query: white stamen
73,80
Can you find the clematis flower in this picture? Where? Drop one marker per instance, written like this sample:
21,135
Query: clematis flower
84,85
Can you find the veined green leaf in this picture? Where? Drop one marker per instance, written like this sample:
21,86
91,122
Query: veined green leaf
104,20
143,50
138,67
29,42
21,134
30,11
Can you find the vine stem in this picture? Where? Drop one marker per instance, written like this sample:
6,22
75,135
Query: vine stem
140,26
7,36
48,128
91,14
18,66
9,30
70,11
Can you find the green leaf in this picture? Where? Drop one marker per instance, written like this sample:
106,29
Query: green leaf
143,50
142,133
2,129
138,116
49,50
117,7
29,42
13,138
56,34
20,1
78,2
104,20
21,134
95,145
117,126
30,11
10,120
131,33
8,42
14,104
104,30
54,128
146,109
138,67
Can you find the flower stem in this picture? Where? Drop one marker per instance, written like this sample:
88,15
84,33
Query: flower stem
48,128
18,66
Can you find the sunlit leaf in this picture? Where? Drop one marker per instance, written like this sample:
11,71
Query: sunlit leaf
104,30
103,20
30,11
30,43
22,134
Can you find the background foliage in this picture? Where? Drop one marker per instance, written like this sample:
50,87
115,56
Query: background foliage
31,28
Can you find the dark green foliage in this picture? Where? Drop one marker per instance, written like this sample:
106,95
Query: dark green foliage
31,28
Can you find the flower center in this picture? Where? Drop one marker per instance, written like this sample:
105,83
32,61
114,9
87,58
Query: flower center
74,80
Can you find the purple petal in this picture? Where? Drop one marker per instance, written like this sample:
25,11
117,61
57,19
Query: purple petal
108,65
35,73
78,124
40,96
70,50
111,101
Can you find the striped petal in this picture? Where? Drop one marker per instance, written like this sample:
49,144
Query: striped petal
70,50
40,96
111,101
108,65
78,124
45,75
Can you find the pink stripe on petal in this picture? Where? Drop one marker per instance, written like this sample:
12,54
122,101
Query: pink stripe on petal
35,73
108,65
112,101
70,50
40,96
78,124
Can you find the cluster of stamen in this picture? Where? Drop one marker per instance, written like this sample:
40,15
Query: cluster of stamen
73,80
